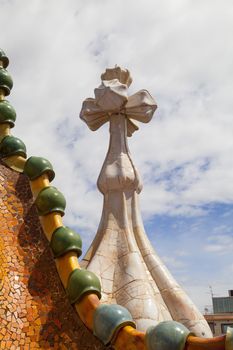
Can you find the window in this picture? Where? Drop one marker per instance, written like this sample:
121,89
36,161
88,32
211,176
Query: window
224,327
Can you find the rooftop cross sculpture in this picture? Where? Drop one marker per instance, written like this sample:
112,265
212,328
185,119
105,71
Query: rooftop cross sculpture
121,255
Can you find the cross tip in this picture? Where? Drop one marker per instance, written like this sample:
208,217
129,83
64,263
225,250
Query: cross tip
122,74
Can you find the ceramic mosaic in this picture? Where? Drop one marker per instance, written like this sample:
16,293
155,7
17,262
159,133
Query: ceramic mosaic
35,312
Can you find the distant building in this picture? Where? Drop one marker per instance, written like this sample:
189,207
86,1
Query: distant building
222,316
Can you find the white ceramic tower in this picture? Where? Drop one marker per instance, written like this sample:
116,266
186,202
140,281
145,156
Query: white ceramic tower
130,271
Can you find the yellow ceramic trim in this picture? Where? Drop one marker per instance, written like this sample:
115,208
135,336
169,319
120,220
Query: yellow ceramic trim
4,130
65,265
50,223
197,343
130,338
86,308
15,162
2,95
38,184
53,220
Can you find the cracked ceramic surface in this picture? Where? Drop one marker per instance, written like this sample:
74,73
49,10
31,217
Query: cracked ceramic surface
130,271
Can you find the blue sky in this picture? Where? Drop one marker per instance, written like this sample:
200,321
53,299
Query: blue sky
197,249
181,51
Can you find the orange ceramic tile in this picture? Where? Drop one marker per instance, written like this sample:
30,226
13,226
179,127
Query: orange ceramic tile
34,308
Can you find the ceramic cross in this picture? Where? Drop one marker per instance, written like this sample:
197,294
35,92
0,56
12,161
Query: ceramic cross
121,255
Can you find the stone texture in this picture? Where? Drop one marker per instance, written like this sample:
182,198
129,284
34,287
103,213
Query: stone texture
34,310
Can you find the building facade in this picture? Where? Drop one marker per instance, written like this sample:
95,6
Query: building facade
222,316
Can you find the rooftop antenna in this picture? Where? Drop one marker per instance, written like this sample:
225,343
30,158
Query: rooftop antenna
211,291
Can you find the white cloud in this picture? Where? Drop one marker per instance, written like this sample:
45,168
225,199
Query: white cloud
173,262
220,244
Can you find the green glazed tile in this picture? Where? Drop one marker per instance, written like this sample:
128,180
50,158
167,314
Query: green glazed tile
11,146
37,166
82,282
4,58
65,240
108,320
6,82
50,200
7,113
167,335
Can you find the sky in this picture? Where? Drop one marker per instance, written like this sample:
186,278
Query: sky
181,52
